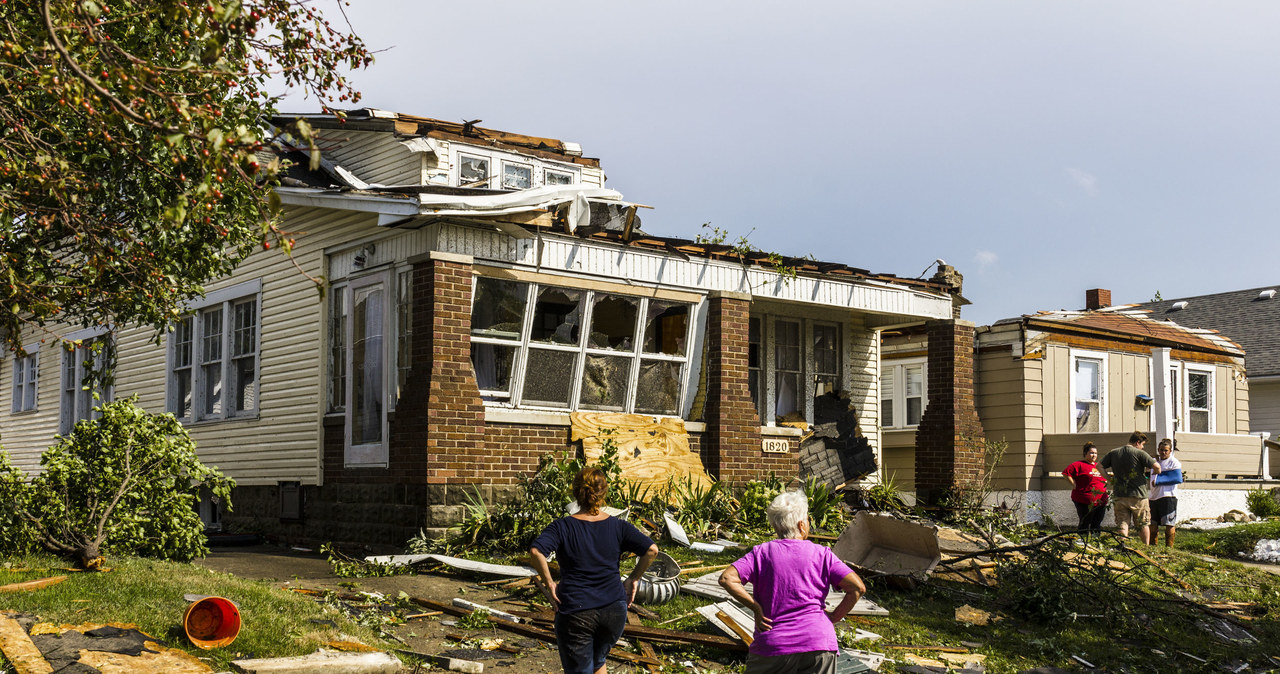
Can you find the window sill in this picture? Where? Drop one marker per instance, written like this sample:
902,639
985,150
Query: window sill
781,431
209,422
507,415
23,413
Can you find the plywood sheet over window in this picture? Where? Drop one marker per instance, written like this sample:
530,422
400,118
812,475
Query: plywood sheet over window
650,451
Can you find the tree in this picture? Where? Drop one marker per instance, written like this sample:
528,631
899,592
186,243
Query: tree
129,139
124,483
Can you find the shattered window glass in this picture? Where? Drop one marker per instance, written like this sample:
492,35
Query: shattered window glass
497,309
472,170
826,358
548,377
493,365
338,351
557,316
613,322
658,390
604,383
550,177
1088,392
516,177
666,328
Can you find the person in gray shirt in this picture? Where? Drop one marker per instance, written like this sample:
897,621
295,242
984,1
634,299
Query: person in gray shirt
1128,466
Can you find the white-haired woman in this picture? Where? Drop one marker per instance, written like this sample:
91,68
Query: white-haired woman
791,577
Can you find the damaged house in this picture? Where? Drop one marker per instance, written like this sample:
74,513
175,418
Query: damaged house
1046,383
484,287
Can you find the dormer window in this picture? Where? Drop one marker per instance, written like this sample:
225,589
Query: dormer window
472,171
516,176
556,177
491,168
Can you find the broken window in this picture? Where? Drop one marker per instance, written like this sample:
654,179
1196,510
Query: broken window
613,322
404,330
550,363
472,171
367,360
914,393
886,397
788,371
516,176
338,351
826,358
1199,386
550,177
556,316
658,388
604,383
497,320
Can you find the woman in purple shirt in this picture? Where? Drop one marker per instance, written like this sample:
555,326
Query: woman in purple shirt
791,577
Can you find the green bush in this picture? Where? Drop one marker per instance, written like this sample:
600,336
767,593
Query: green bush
125,484
755,499
1262,503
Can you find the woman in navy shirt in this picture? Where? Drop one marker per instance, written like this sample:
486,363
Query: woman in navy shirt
591,598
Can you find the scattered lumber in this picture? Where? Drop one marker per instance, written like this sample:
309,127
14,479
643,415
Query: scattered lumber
31,585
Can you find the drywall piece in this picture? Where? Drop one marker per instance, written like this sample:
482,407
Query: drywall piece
457,563
330,662
678,535
884,544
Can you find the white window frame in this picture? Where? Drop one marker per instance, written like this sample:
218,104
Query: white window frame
533,174
896,369
514,398
767,372
75,403
1101,358
26,375
498,160
226,300
1188,369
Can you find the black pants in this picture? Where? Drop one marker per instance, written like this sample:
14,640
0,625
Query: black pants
1090,517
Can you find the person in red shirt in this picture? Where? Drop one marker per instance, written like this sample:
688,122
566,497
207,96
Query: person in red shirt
1088,490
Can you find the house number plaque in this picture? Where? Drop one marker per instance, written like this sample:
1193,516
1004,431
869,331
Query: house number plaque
774,446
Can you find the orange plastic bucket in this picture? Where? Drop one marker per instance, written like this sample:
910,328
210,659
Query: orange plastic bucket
211,622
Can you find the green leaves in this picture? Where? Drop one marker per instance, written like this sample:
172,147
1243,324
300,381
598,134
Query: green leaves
125,483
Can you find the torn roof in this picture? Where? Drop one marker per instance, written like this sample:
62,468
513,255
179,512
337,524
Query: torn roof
575,210
1249,316
1128,323
372,119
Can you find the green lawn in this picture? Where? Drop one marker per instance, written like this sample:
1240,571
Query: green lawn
150,593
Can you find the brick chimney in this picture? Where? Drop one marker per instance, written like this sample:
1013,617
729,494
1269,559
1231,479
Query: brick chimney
1097,298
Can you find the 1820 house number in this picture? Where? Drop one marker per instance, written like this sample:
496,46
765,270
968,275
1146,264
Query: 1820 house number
775,446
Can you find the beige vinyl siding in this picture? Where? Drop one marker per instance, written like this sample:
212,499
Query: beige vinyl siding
898,459
25,435
862,375
1010,403
1128,375
373,156
1056,371
283,443
1264,407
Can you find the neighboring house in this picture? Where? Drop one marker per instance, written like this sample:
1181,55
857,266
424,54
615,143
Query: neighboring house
1252,319
1046,383
481,286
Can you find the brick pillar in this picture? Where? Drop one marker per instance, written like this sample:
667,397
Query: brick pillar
732,449
950,448
450,430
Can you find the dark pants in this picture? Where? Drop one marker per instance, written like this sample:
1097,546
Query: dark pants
1090,517
585,637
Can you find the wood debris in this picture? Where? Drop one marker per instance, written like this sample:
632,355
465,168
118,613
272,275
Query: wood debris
30,585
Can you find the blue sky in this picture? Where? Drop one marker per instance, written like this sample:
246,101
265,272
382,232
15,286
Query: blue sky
1042,148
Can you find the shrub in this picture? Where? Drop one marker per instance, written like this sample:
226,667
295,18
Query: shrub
1262,503
755,499
125,483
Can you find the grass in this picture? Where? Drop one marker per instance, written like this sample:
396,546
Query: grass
149,593
1228,542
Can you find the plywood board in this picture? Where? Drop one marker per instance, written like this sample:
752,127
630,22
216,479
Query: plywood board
651,450
19,650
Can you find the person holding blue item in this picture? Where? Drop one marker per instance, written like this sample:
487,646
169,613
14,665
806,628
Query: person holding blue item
591,599
1164,494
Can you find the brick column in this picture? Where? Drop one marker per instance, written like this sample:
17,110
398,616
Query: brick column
950,447
731,451
446,427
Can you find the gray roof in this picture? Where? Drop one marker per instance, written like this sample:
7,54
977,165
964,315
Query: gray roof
1243,315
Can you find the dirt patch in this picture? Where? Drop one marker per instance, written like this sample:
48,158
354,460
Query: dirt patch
294,569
